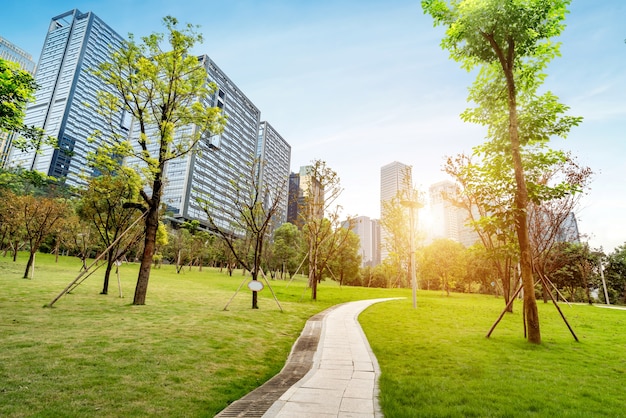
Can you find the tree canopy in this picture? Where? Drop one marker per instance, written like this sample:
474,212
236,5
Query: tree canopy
160,83
17,90
512,42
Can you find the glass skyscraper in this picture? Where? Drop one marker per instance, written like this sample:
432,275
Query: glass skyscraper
11,52
65,107
395,178
75,44
275,156
220,160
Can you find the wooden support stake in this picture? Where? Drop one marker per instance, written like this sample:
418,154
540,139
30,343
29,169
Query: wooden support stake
504,311
82,273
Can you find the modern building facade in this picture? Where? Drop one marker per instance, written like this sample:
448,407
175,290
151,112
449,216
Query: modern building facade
11,52
395,178
207,174
76,43
274,155
293,201
368,231
306,197
447,220
444,215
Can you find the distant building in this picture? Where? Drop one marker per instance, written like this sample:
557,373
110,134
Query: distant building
445,216
449,221
11,52
293,198
224,158
568,230
306,197
274,153
395,178
75,44
368,231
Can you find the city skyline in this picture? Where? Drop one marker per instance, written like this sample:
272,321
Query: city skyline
361,84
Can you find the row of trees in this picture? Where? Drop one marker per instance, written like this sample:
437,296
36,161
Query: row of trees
577,272
511,43
35,217
38,215
165,90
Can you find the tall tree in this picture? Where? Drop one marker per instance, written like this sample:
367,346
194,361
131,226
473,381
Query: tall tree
253,210
511,40
486,197
162,86
102,204
345,263
551,221
486,191
572,268
287,243
397,241
39,216
320,219
443,261
178,246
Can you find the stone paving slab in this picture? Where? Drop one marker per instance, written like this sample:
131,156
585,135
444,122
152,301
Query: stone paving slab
331,372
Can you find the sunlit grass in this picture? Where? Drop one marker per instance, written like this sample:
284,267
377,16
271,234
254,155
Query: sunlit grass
179,355
436,361
182,355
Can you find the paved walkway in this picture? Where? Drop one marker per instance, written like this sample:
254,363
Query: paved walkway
331,372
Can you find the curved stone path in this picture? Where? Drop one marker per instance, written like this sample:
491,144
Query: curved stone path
331,372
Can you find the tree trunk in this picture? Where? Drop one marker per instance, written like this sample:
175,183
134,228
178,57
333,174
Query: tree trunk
107,274
178,266
29,263
313,272
152,224
255,304
521,218
505,276
15,250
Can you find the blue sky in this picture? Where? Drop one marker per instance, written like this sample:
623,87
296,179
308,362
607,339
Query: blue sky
362,83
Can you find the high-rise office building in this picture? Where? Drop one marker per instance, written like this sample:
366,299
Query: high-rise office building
568,230
368,231
64,106
207,175
78,42
11,52
305,194
274,154
395,178
444,215
293,201
447,220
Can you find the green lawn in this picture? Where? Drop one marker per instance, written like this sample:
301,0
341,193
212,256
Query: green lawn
436,361
182,355
179,355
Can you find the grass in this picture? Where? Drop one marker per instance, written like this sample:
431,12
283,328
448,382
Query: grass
436,361
179,355
182,355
